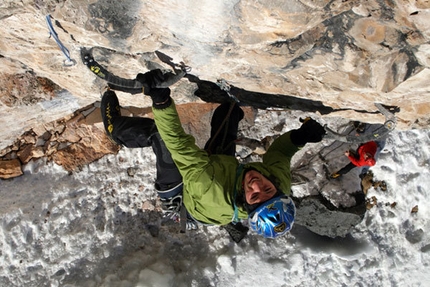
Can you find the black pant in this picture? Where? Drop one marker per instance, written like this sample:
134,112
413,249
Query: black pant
224,127
347,168
135,132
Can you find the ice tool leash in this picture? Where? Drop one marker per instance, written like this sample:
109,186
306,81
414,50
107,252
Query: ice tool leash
69,61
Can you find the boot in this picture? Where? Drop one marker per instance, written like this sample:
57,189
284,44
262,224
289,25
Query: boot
174,209
110,109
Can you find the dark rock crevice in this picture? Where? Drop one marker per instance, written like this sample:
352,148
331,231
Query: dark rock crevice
210,92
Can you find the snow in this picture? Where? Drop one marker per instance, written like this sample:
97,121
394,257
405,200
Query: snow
102,226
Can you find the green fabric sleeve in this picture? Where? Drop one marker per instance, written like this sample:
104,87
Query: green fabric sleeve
278,158
188,157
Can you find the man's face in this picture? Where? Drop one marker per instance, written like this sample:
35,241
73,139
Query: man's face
257,187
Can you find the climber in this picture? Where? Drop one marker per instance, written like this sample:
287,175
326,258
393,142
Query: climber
139,132
365,156
212,185
215,188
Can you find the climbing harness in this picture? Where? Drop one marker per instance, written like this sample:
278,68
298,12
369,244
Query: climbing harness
385,129
69,62
121,84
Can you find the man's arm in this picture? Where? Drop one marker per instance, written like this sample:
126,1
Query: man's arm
280,153
356,161
284,146
188,157
290,142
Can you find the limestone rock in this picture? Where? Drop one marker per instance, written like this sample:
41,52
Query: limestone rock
82,153
320,217
25,154
10,168
82,144
70,142
344,54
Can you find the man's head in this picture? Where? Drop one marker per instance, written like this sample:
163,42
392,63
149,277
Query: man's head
368,156
257,187
369,159
271,212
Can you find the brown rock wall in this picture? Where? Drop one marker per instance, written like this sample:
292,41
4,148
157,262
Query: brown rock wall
10,168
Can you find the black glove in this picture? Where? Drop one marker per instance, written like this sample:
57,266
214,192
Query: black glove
150,81
310,131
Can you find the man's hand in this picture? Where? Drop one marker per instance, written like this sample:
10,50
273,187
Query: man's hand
310,131
150,81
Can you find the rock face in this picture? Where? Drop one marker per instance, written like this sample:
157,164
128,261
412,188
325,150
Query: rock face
71,142
344,54
10,168
320,217
333,58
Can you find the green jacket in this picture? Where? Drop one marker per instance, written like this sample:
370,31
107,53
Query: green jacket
209,181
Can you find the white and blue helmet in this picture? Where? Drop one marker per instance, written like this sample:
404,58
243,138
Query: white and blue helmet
274,217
